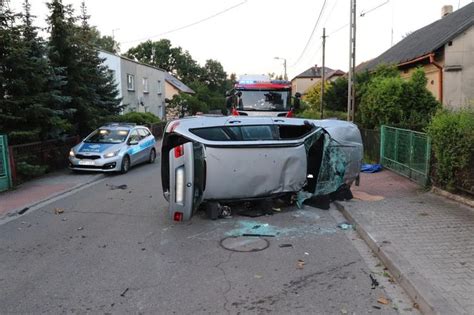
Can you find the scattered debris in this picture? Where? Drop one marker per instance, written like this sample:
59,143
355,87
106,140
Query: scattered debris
58,211
386,274
423,214
276,209
226,212
375,283
343,311
285,245
376,307
258,235
64,219
300,264
143,248
306,253
83,236
258,276
383,300
123,293
345,226
386,242
415,305
113,187
22,211
80,228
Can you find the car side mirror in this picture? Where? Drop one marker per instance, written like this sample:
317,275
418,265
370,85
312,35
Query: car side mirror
132,142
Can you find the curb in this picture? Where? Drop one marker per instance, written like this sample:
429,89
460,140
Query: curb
454,197
16,213
429,300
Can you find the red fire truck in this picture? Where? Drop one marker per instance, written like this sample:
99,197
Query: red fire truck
261,96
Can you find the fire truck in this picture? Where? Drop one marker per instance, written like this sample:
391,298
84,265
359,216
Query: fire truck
258,95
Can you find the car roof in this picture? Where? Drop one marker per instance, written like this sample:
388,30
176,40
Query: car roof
121,126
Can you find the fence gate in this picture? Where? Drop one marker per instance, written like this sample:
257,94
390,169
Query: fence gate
406,152
5,176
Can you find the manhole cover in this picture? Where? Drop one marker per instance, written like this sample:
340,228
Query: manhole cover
244,243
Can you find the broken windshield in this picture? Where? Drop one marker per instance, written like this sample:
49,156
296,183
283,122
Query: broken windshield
264,100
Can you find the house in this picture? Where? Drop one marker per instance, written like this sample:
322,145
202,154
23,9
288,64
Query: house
173,87
305,80
143,88
445,50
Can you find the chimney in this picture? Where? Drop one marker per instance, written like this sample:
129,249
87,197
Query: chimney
446,9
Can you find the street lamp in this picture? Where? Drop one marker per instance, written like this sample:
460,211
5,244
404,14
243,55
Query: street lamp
284,65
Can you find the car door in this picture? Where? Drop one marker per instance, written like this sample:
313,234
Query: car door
134,147
187,179
146,144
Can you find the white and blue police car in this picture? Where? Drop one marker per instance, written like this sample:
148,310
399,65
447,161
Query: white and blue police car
114,147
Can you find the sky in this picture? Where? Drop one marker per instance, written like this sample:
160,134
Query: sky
245,36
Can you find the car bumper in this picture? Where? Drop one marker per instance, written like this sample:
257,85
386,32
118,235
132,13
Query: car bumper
100,165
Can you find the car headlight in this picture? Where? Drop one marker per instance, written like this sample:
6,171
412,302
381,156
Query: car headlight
71,153
111,154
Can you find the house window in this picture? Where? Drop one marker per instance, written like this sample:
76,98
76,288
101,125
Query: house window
130,82
159,87
145,85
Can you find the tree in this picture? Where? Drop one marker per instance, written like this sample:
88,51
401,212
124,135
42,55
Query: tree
90,85
29,97
104,42
391,100
335,97
214,76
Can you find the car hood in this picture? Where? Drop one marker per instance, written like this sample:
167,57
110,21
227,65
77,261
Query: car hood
97,147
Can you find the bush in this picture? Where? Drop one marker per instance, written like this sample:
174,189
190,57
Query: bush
390,100
452,137
136,117
29,170
310,113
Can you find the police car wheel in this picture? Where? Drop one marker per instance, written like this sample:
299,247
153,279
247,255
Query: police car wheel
125,164
152,156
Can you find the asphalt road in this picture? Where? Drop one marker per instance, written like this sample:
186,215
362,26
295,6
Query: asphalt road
116,251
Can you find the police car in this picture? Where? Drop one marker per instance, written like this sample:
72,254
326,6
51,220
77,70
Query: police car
114,147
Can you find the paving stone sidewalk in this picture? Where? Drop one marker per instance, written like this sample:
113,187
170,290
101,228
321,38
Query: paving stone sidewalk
425,240
41,189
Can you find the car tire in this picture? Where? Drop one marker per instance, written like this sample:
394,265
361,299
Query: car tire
152,156
125,164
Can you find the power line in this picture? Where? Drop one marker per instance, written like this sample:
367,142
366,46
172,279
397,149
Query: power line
188,25
375,8
312,33
338,29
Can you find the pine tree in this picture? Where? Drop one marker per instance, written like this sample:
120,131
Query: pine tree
89,84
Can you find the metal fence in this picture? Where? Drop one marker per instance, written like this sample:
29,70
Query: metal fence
406,152
371,141
5,176
30,158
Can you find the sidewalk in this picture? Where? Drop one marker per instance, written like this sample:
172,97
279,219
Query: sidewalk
426,241
42,189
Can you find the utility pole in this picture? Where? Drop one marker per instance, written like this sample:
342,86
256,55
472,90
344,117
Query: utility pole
352,51
323,74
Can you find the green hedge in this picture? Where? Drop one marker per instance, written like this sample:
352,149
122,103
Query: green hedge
135,117
452,134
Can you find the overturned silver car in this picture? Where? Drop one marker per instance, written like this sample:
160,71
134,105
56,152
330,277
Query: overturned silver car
238,158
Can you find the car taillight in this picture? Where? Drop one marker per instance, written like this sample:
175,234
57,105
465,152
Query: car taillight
178,216
179,178
289,114
179,151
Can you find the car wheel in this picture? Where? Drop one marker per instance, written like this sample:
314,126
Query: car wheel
125,164
152,157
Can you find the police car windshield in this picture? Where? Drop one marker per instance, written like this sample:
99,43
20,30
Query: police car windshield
107,136
264,100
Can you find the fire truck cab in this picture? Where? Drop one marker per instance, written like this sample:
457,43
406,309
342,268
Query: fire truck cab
261,96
